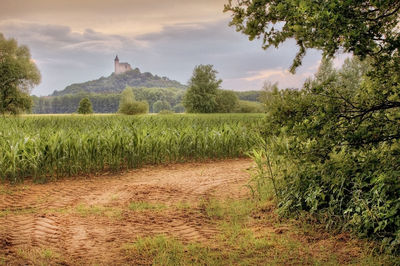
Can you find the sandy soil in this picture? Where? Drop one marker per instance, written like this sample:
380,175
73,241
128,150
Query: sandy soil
87,221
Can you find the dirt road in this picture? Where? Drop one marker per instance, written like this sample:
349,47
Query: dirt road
88,221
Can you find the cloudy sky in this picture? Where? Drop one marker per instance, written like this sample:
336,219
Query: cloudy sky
75,41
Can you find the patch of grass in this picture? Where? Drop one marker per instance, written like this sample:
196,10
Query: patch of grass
162,250
85,211
5,191
183,205
39,256
113,213
114,197
233,210
144,206
6,212
251,234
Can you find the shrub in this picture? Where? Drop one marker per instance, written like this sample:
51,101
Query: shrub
161,105
249,107
134,108
85,107
129,106
338,165
179,108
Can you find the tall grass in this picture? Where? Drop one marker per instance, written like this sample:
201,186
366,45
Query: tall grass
51,147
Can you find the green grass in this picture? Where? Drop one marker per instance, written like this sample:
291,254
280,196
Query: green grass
239,243
50,147
85,211
38,256
163,250
144,206
183,205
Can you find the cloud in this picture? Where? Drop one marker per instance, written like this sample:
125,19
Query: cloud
67,56
117,16
283,77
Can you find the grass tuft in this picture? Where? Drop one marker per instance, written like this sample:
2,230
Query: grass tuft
144,206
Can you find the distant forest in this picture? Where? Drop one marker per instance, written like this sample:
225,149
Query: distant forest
116,83
108,103
104,94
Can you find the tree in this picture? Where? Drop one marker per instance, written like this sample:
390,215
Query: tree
18,75
129,106
85,106
227,101
365,28
340,133
161,106
202,92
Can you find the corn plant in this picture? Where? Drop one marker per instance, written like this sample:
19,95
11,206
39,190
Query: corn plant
52,147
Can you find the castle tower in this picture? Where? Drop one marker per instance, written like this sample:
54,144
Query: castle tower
116,65
121,67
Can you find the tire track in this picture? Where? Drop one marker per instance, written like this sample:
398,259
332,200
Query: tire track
94,237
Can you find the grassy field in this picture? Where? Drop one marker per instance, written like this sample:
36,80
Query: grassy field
50,147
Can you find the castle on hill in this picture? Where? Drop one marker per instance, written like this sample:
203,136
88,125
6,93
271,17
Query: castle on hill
121,67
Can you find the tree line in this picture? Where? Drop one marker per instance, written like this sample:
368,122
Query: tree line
158,99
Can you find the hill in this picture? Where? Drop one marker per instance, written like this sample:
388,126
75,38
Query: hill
116,83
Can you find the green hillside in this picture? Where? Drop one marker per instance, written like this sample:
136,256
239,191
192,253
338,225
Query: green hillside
116,83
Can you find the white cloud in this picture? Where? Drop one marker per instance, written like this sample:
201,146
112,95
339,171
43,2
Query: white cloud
66,56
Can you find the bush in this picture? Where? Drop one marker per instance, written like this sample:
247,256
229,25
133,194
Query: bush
340,166
129,106
161,105
179,108
135,108
249,107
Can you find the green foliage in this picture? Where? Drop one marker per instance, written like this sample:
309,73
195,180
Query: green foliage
129,106
335,159
252,96
117,83
249,107
85,107
51,147
127,97
179,108
18,74
201,95
341,132
107,103
227,101
362,27
160,106
166,112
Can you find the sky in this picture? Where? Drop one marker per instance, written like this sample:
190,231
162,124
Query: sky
74,41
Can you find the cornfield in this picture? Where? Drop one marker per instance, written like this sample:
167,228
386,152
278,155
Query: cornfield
50,147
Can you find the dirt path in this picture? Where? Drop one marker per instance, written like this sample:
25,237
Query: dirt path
89,220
